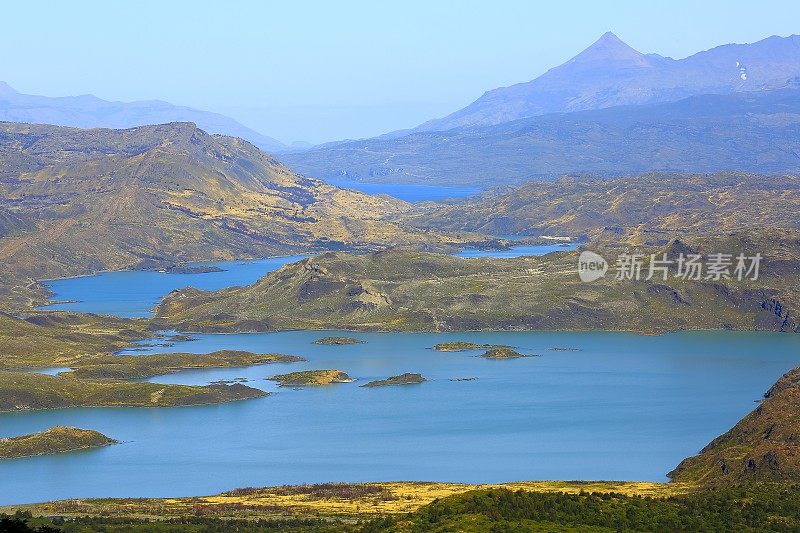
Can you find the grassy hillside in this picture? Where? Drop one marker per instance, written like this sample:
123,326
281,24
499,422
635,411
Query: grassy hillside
75,201
57,439
647,208
85,344
754,132
22,391
61,339
398,290
763,446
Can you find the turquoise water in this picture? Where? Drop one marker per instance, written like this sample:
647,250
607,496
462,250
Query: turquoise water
133,294
623,407
518,251
613,406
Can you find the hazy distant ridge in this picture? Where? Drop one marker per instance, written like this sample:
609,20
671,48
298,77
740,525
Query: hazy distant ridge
89,111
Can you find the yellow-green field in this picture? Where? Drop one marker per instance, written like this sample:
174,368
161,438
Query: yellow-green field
326,500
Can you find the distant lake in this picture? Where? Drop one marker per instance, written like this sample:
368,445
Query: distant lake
407,191
518,251
133,293
622,407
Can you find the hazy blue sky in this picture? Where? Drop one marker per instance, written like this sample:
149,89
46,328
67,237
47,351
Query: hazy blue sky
321,71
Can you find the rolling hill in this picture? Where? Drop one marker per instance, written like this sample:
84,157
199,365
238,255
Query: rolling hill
415,291
75,201
645,208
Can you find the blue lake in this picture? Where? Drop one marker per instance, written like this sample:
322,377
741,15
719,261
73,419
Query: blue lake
133,294
614,406
407,191
518,251
623,407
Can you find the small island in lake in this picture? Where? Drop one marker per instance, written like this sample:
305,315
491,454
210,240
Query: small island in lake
57,439
190,269
311,377
502,352
461,346
338,341
403,379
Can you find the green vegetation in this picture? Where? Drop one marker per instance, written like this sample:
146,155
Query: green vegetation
139,367
758,508
752,508
311,377
338,341
61,339
460,346
23,522
502,352
416,291
57,439
403,379
22,391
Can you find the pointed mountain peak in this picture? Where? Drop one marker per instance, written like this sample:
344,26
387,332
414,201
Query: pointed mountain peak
609,47
610,37
6,89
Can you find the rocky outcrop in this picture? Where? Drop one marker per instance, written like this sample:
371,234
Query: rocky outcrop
763,446
403,379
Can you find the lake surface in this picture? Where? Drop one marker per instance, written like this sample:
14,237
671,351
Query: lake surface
408,191
518,251
606,406
133,294
622,407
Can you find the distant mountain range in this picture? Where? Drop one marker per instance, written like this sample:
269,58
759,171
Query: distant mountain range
88,111
608,111
753,131
611,73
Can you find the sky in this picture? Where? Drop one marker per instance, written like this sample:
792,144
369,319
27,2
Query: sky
323,71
